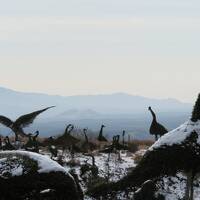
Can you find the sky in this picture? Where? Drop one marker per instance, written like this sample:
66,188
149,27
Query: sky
147,48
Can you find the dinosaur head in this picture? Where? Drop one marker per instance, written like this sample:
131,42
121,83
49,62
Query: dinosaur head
85,130
149,108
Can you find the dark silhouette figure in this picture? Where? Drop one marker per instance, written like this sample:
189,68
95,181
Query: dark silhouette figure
85,134
29,142
32,144
116,141
22,122
87,145
88,167
123,137
52,149
67,140
7,144
0,143
115,146
35,136
35,142
156,128
101,138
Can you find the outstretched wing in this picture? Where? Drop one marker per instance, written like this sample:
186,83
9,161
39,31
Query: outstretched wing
6,121
28,119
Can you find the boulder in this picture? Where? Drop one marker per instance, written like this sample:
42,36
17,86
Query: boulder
28,175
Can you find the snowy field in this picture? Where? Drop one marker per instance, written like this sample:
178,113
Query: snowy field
173,188
113,166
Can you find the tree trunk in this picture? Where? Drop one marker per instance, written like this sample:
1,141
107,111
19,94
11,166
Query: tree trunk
119,156
187,189
192,187
189,193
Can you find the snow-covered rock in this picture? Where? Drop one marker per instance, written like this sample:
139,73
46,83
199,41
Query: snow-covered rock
28,174
178,135
45,165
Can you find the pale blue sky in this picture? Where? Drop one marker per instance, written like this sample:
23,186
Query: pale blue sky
149,48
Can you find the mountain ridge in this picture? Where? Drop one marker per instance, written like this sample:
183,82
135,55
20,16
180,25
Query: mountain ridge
4,89
12,100
118,111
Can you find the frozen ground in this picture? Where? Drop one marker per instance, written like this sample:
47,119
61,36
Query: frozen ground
117,167
173,188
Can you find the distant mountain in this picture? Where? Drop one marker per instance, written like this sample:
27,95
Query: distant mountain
14,103
118,111
79,114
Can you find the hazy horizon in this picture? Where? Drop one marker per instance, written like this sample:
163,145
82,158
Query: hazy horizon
79,47
95,94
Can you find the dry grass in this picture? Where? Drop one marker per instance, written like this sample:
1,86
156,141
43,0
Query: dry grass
138,155
141,144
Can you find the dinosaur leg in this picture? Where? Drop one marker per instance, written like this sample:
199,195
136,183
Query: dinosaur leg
16,137
156,137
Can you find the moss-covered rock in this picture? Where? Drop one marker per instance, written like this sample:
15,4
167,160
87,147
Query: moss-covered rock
23,176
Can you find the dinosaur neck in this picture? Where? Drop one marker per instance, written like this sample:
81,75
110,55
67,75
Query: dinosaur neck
86,138
117,139
66,131
8,141
30,138
101,131
114,139
153,115
123,137
35,136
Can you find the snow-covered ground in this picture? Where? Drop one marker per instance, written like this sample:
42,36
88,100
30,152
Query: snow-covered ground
117,168
173,188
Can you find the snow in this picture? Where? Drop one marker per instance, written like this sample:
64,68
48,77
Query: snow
174,187
45,191
178,135
45,164
117,169
16,170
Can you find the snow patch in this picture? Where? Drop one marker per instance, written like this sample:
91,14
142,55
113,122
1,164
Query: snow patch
45,164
